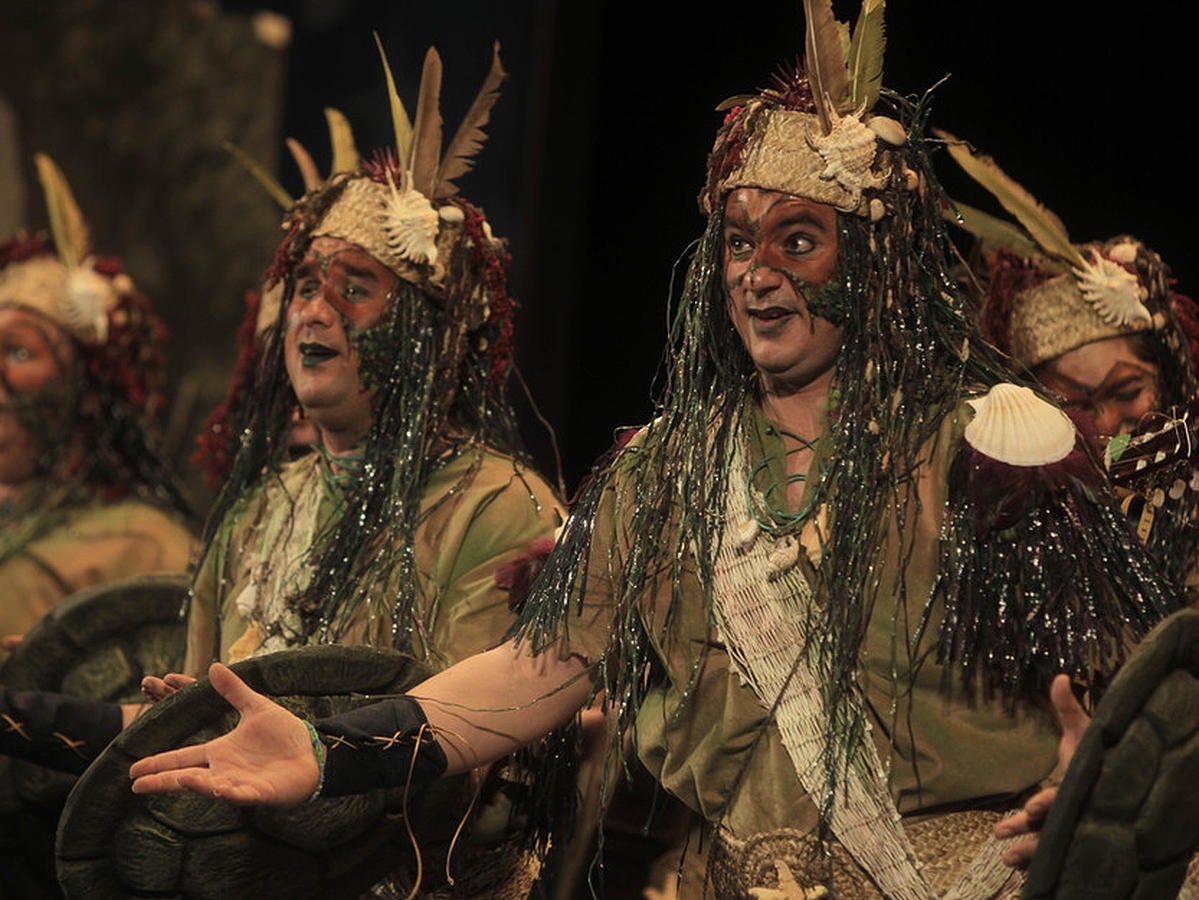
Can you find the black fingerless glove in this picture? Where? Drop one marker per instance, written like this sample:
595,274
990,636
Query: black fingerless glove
58,731
373,747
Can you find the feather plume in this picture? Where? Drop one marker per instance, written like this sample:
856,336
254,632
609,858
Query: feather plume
341,137
304,162
993,231
273,188
469,139
825,44
866,57
399,115
426,128
1044,227
67,224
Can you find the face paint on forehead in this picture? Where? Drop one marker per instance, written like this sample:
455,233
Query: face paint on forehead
324,260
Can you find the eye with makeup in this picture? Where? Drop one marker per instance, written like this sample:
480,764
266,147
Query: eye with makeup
737,245
15,352
354,291
307,288
1129,391
798,243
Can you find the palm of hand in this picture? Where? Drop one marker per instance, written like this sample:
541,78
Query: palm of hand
267,758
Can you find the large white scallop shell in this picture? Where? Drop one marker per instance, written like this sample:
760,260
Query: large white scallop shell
1015,426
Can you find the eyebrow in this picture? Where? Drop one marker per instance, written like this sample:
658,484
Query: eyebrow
358,271
1110,382
801,216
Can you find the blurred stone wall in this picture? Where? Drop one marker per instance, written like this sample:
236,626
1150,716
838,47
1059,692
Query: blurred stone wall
136,99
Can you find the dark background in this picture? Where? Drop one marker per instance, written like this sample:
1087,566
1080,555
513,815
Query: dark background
597,145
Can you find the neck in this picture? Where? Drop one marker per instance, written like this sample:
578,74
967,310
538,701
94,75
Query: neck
798,409
799,415
342,442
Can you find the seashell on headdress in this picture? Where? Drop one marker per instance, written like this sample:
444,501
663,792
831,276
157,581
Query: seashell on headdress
1088,292
67,290
404,218
833,153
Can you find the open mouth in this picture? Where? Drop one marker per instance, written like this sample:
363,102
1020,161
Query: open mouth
312,354
769,314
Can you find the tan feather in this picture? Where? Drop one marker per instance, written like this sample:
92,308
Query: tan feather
71,236
1044,227
825,44
470,137
309,173
426,128
341,137
992,231
736,100
399,115
273,188
865,64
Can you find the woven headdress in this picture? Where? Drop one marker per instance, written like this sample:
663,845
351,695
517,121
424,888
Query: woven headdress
825,144
401,206
1046,295
67,288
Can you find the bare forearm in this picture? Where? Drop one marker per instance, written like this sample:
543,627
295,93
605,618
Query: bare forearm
491,704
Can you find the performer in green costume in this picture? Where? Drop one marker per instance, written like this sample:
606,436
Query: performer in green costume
86,496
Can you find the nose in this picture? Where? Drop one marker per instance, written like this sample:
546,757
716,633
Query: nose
316,309
760,277
1110,419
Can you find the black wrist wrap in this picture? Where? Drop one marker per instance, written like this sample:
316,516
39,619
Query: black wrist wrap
58,731
372,747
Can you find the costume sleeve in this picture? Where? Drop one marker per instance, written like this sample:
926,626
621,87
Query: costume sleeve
505,530
206,598
573,604
59,731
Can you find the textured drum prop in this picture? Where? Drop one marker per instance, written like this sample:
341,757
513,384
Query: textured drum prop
98,643
113,843
1125,823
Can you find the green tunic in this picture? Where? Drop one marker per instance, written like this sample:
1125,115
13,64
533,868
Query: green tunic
484,510
93,544
943,747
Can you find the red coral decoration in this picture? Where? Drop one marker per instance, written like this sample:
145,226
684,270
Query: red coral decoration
1187,312
216,442
22,247
517,575
491,265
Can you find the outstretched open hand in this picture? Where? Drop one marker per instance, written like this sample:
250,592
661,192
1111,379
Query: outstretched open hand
267,758
1073,720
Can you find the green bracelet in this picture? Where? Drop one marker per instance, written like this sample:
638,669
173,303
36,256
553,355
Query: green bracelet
318,747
